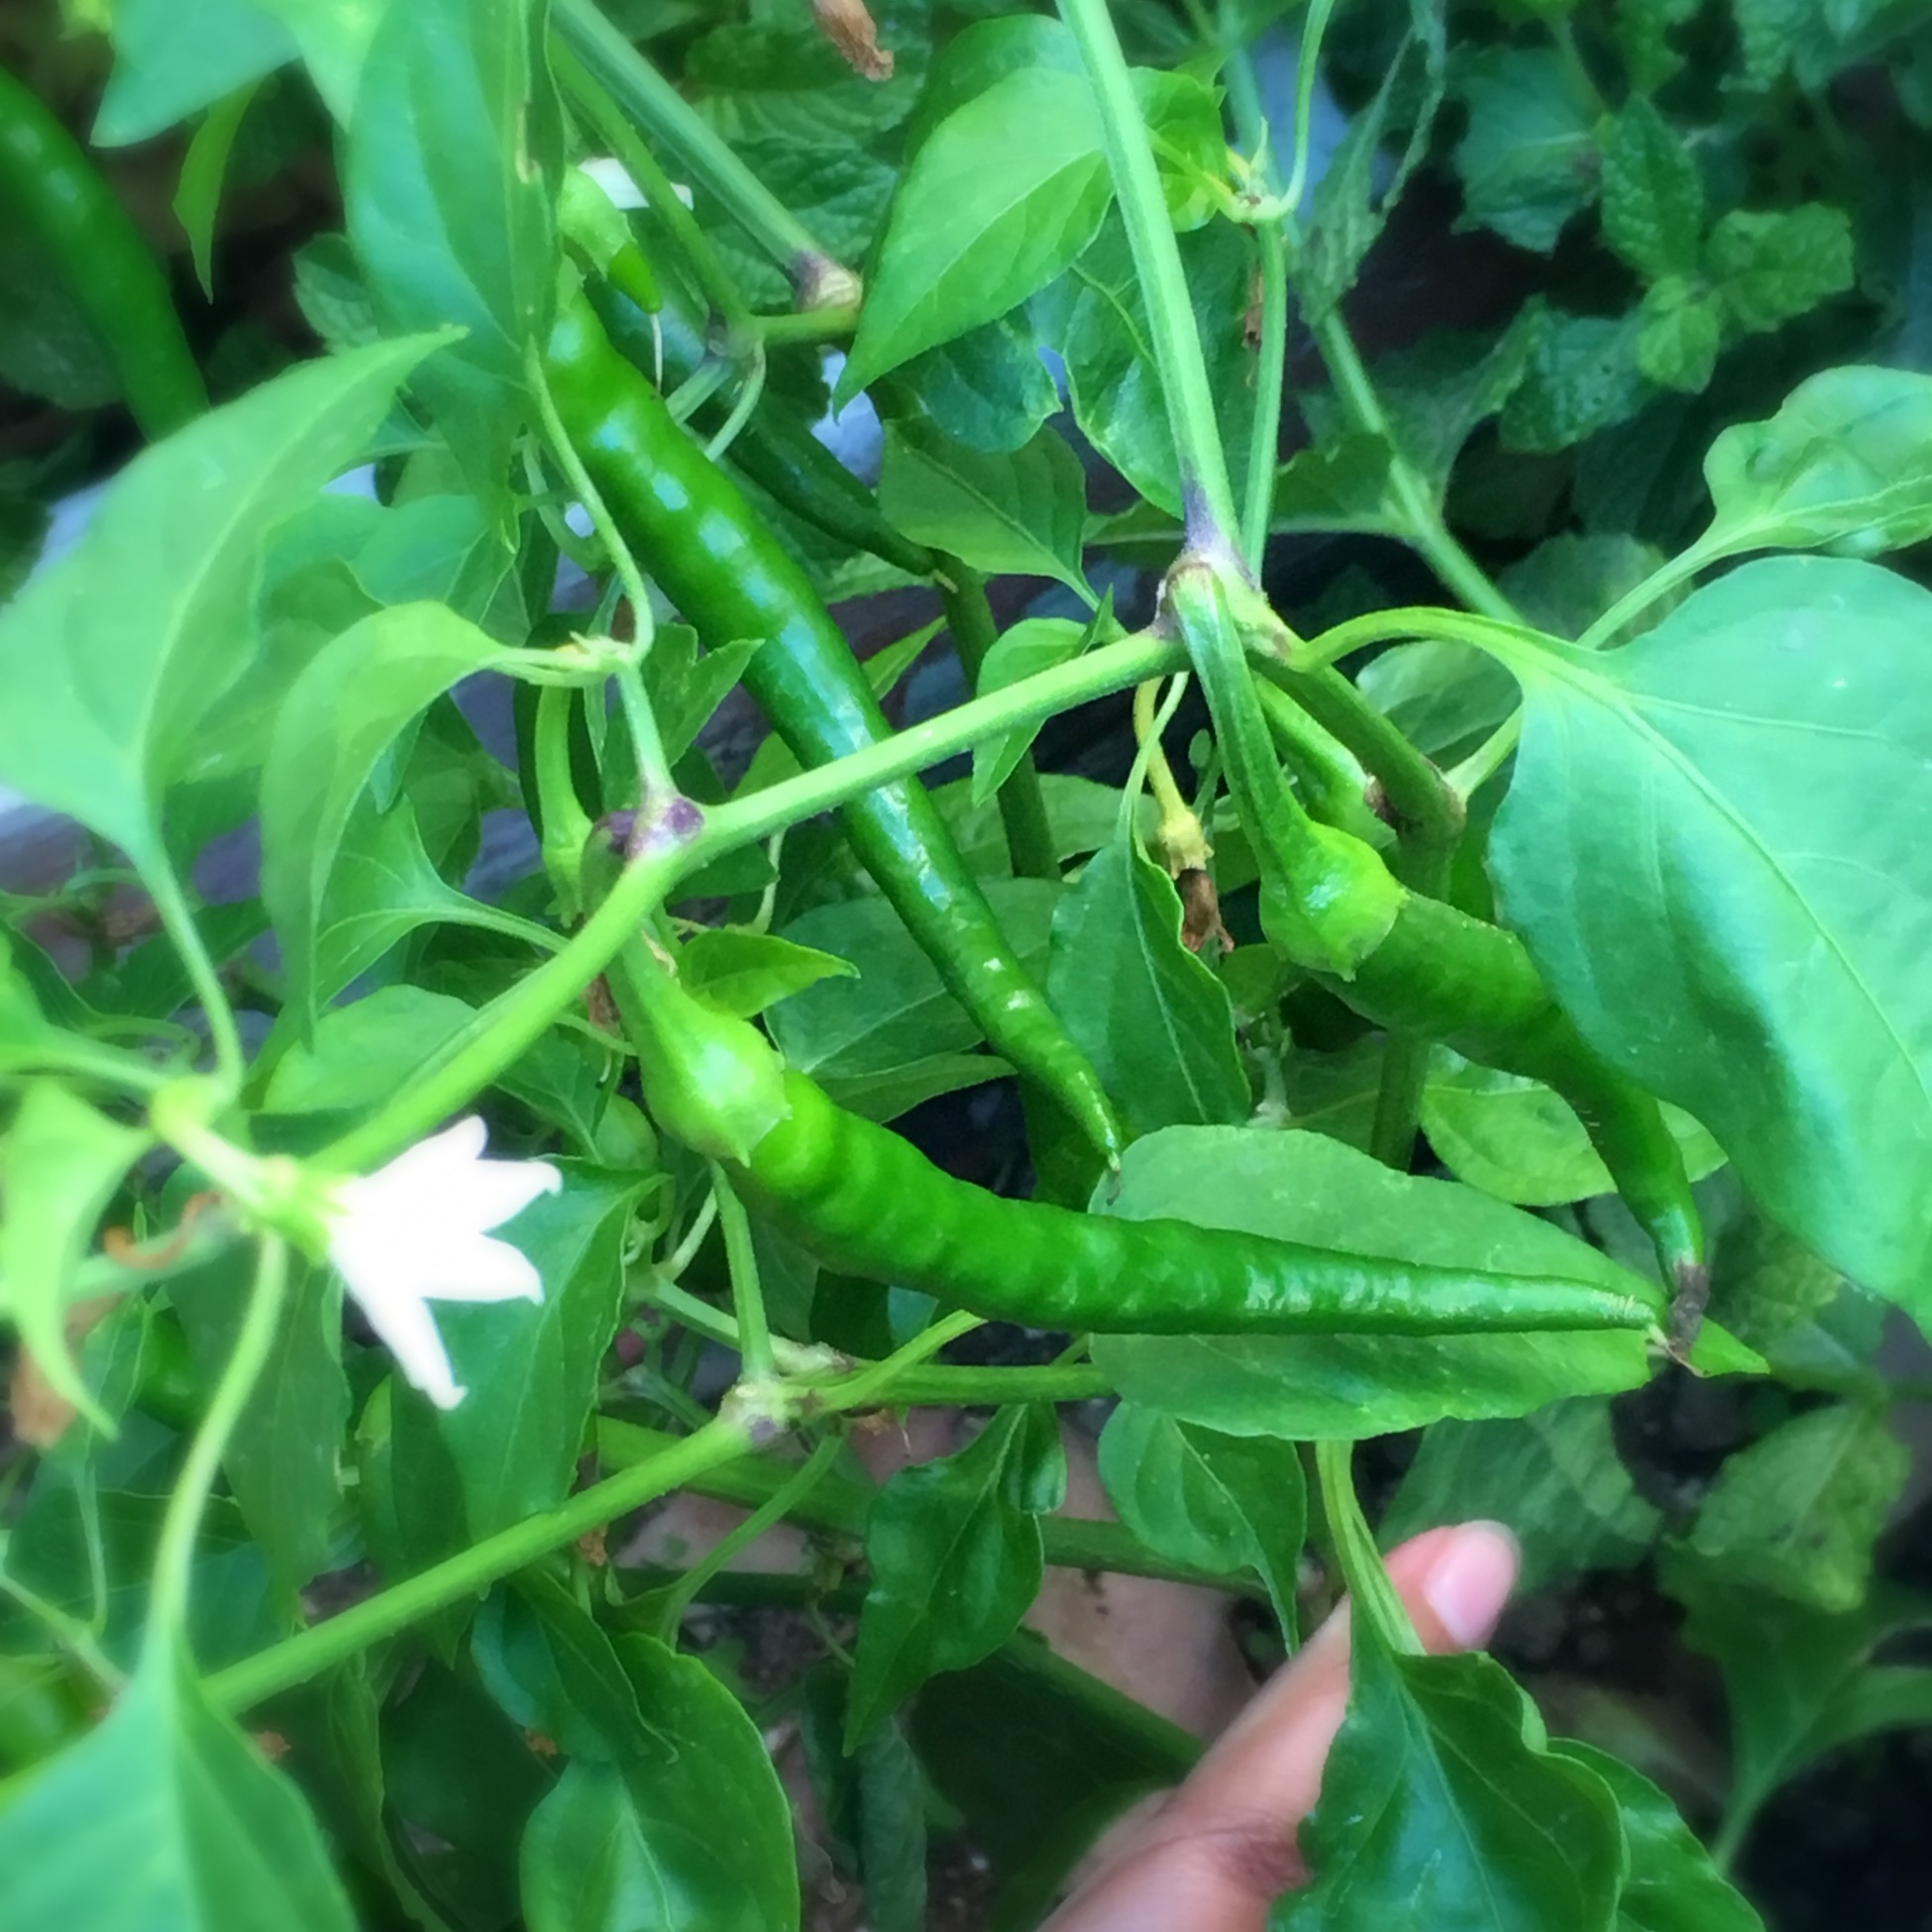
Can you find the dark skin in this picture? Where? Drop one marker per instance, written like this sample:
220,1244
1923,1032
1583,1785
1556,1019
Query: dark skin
1222,1849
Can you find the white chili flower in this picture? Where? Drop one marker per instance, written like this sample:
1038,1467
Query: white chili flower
418,1230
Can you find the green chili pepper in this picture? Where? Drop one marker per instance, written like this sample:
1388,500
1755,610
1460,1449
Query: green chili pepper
704,544
867,1203
50,186
775,452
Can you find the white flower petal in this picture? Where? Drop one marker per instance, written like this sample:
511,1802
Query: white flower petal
409,1332
478,1269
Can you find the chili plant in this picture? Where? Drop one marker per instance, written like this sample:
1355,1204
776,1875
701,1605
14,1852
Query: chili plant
1471,982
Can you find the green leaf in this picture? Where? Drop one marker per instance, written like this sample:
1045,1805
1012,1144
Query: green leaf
280,1461
1097,318
1024,514
1770,267
204,168
982,221
1518,1141
340,716
1846,461
1529,160
1305,1187
165,1816
1653,194
1033,645
740,972
1749,946
763,81
172,57
1683,329
988,388
1798,1513
954,1548
1443,1806
1151,1016
1443,696
60,1164
380,888
1798,1681
1554,1477
1643,27
110,659
350,1061
1222,1503
1081,814
532,1368
893,1795
1340,487
446,185
1356,192
896,1010
688,1830
1672,1885
334,37
1582,376
1765,1286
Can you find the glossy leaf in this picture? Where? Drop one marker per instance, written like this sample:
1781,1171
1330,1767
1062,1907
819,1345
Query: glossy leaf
340,715
1751,940
981,221
1150,1015
110,659
531,1368
1024,514
60,1164
1516,1139
1221,1503
1798,1513
1305,1187
1847,459
741,972
172,57
955,1551
1553,1476
1441,1806
449,205
988,388
165,1816
1529,159
1672,1885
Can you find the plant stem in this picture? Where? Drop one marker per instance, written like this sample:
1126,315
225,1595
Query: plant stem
1207,501
185,936
1398,1100
297,1658
1482,764
1498,637
592,100
1427,530
797,1485
1659,584
1022,807
449,1079
654,104
1368,1581
654,777
747,1298
1270,376
838,1506
167,1601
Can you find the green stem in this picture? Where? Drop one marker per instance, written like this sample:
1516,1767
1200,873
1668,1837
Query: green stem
1659,584
1361,1562
1482,764
813,325
796,1487
185,936
1212,529
951,1386
311,1652
1270,376
651,101
1398,1100
592,100
565,824
747,1298
1498,637
167,1601
450,1078
1427,530
1306,73
838,1506
1022,807
647,742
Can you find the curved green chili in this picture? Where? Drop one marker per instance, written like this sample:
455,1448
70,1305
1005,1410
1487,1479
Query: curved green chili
706,548
55,189
867,1203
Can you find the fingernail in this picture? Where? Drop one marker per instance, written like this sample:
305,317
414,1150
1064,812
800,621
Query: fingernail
1472,1579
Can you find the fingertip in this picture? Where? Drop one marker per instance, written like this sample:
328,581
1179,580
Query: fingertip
1466,1585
